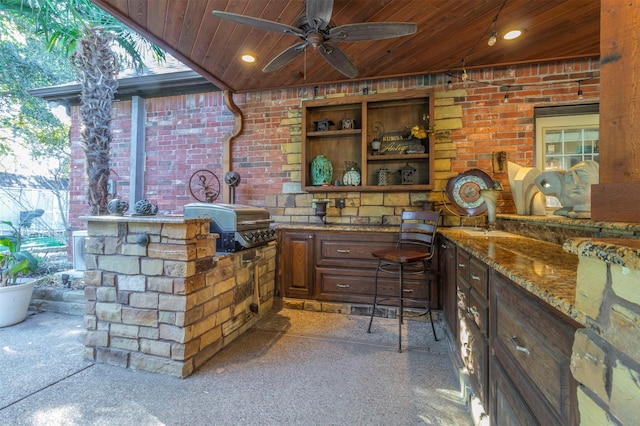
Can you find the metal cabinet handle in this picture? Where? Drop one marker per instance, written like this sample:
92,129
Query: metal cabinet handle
407,290
516,343
342,285
474,311
461,265
343,251
310,237
445,245
475,277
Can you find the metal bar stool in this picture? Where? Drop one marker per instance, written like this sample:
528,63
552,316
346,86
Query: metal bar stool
410,257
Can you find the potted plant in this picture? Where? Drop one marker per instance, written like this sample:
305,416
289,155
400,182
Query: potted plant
14,295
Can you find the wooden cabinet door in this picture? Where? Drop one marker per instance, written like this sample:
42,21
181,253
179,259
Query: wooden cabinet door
533,346
508,406
296,264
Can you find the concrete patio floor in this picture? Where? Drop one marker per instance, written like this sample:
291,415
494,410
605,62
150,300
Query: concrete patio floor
294,367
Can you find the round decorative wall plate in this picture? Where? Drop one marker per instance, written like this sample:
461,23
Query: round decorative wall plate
464,191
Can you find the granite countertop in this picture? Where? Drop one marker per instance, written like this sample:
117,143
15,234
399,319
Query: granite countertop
618,251
143,219
566,222
543,269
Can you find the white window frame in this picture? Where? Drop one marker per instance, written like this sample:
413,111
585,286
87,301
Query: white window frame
561,124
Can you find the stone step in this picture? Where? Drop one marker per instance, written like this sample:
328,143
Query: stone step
64,301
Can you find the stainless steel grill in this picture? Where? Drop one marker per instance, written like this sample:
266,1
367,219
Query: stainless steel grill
240,227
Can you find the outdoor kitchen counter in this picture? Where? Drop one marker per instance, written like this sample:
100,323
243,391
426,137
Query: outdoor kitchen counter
159,298
541,268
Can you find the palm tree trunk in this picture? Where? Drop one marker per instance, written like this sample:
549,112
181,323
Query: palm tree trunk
97,66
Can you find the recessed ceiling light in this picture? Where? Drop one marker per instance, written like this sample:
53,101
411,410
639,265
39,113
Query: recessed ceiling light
512,34
248,58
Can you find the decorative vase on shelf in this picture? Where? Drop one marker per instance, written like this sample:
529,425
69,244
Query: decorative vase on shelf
321,171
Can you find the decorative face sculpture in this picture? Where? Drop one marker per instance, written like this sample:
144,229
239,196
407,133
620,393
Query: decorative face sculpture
572,187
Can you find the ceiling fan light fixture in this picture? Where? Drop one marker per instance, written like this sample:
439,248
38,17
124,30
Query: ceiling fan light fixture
314,28
248,58
513,34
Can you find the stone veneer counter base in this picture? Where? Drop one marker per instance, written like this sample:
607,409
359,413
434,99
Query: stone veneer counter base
606,353
159,298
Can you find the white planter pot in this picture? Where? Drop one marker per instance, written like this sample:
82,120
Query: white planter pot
14,303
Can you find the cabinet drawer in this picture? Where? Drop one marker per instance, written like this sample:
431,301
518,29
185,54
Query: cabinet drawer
478,309
351,251
534,347
462,265
474,350
336,283
478,274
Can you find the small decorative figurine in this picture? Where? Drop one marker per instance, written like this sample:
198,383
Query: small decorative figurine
117,207
348,123
144,208
323,125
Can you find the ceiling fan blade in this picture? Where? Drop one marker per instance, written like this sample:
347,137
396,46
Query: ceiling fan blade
338,59
372,31
285,57
319,13
262,24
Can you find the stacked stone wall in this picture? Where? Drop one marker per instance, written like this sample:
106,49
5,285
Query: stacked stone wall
170,304
606,353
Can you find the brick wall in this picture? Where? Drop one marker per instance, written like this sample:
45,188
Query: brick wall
185,134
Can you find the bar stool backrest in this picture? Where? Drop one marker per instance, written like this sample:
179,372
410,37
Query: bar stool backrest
418,230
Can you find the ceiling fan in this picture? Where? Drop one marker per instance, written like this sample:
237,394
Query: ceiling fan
315,29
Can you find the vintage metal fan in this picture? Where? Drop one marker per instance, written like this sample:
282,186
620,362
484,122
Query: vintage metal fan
315,29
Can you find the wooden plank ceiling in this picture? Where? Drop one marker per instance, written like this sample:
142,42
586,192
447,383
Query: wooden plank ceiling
448,32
